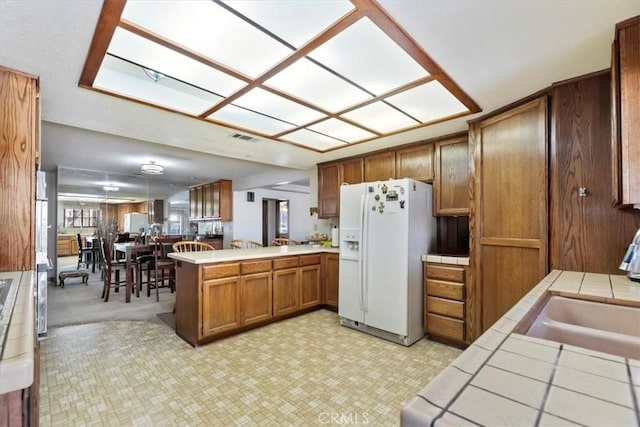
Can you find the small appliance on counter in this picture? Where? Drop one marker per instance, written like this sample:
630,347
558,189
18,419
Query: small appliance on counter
631,261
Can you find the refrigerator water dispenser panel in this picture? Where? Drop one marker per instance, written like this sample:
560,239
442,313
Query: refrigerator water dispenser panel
350,243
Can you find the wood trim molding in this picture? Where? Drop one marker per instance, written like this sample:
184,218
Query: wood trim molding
107,23
513,243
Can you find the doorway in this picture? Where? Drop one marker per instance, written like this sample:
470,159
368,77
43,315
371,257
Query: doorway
275,220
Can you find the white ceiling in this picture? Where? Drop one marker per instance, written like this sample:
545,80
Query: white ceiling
497,51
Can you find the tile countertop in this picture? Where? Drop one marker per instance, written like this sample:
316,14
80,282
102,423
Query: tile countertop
207,257
17,344
508,379
446,259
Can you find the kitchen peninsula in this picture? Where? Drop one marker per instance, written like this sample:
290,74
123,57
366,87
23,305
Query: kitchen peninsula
221,293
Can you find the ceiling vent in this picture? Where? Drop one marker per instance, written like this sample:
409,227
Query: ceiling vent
243,137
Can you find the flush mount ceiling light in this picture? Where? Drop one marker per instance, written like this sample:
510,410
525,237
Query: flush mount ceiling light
152,168
110,188
317,74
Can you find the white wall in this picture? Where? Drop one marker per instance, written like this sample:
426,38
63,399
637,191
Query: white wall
247,216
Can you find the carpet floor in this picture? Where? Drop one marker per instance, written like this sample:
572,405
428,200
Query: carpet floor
79,303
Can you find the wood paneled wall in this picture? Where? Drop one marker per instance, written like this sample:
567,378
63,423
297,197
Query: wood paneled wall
587,232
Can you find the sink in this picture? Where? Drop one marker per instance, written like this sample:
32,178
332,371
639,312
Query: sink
609,328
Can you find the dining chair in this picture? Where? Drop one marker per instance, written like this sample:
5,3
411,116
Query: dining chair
111,270
244,244
281,241
84,252
162,267
192,246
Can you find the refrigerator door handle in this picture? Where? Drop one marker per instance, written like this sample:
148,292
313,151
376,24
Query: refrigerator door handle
360,259
364,255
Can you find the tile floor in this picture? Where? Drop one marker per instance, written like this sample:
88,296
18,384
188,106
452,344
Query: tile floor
303,371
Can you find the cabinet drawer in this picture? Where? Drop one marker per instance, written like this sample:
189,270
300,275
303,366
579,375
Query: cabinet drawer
256,266
445,327
218,271
441,288
309,259
445,307
445,272
288,262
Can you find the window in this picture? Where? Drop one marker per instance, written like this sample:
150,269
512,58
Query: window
81,217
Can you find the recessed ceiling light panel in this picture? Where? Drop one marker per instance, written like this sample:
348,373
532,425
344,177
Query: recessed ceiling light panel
296,22
380,117
151,55
428,102
209,29
342,130
364,54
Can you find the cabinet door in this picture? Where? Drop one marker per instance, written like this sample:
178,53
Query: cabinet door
208,200
509,210
310,286
214,200
285,291
352,171
380,167
225,200
18,132
194,202
331,280
629,82
451,186
220,305
415,163
256,297
328,190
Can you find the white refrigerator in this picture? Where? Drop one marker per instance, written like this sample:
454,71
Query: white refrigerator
133,222
385,228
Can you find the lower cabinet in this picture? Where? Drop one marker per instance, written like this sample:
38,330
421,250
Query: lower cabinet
255,296
444,306
285,291
220,305
330,278
309,286
220,299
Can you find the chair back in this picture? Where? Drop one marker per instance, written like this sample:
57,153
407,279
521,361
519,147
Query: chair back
244,244
165,245
281,241
192,246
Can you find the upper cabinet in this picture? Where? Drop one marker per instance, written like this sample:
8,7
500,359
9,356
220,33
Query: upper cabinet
451,183
352,171
380,167
329,190
18,150
415,162
626,112
213,200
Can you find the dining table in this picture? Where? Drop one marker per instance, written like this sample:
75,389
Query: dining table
130,251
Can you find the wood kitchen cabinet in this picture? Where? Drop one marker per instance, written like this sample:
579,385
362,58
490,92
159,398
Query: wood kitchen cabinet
451,184
380,167
256,297
285,291
352,171
509,210
331,274
329,190
625,90
67,245
221,305
195,202
415,163
19,145
444,305
310,284
211,201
